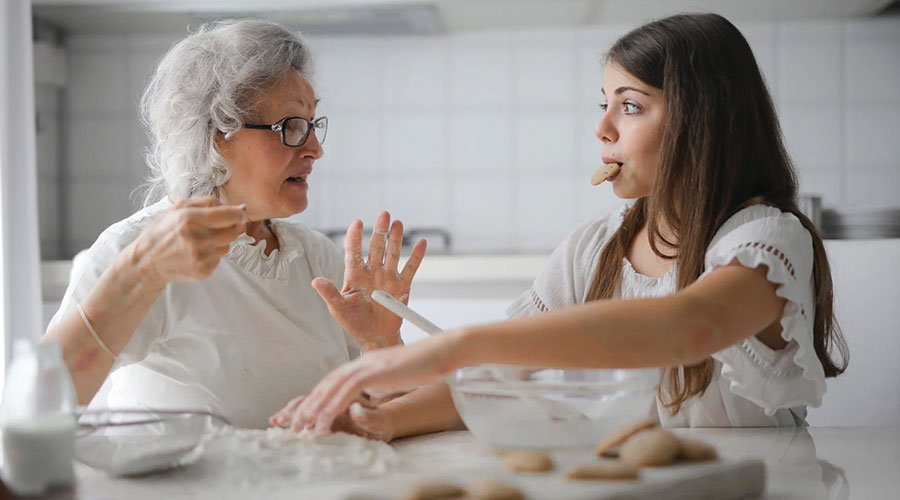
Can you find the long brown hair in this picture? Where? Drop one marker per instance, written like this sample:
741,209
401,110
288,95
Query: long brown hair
721,148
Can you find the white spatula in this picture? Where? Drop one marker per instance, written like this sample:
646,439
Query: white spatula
400,309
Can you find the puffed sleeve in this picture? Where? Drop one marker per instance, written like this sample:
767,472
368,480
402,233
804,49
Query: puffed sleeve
793,376
567,275
87,267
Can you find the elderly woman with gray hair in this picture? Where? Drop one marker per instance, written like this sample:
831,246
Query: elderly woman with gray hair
203,299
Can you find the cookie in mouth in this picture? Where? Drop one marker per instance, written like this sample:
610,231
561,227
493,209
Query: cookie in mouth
605,172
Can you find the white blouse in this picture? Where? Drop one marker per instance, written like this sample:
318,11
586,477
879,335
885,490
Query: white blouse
752,385
241,342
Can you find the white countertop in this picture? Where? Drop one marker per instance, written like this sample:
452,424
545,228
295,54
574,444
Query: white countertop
466,269
804,463
517,270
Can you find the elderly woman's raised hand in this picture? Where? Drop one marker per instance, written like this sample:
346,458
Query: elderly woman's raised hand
370,324
187,241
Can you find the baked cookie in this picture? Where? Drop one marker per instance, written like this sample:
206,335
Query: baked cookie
650,447
697,451
604,172
619,436
606,470
491,489
435,490
531,461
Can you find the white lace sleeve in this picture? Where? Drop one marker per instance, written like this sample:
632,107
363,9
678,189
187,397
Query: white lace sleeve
567,275
90,264
793,376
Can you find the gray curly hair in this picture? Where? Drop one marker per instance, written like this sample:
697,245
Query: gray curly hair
206,84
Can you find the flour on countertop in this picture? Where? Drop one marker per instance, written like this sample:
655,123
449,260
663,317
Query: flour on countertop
247,457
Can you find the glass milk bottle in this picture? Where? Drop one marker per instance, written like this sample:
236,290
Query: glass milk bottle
37,420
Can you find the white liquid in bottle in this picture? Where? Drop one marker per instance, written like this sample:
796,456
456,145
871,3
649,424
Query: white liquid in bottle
37,420
38,455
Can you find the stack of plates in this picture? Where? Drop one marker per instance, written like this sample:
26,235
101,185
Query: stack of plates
861,223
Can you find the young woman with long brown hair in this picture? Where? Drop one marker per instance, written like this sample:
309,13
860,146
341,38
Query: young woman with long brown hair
713,274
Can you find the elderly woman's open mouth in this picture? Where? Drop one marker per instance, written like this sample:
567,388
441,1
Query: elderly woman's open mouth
298,180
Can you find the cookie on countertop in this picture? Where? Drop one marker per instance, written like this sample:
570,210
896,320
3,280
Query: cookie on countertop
650,448
606,469
491,489
616,438
531,461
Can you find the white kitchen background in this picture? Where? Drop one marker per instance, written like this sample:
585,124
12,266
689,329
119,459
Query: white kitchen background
486,134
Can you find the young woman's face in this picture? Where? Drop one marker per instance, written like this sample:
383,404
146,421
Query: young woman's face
631,130
268,176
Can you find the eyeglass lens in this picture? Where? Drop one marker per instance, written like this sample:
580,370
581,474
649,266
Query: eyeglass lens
295,130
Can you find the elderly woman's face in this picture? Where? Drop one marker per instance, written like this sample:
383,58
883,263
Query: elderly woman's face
268,176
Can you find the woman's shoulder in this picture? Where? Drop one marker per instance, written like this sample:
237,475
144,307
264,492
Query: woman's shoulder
762,221
90,263
597,230
120,234
766,231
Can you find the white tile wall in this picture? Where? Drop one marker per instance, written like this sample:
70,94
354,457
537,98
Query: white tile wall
874,188
98,145
479,74
48,170
830,185
491,134
98,80
479,141
48,217
414,142
418,200
347,198
814,135
545,210
482,212
544,73
545,139
809,70
356,145
873,135
94,204
414,72
349,73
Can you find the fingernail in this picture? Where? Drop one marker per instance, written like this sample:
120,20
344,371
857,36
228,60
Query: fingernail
357,411
242,206
323,425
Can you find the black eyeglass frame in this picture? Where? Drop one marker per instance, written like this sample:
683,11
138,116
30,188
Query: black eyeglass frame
320,122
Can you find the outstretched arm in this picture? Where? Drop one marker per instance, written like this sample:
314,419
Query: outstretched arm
729,305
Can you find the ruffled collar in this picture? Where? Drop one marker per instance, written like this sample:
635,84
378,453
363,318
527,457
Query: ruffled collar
251,255
643,278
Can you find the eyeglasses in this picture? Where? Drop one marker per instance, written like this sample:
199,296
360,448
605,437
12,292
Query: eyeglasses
295,129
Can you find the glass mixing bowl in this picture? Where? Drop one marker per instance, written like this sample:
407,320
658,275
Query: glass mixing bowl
527,407
128,442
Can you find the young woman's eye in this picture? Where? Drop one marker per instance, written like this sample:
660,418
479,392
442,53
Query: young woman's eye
630,108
